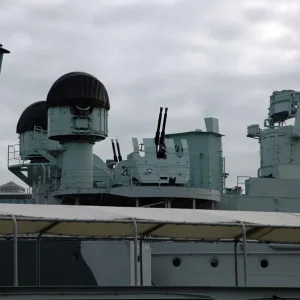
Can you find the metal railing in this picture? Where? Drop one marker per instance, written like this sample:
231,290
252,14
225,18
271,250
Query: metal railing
13,154
241,183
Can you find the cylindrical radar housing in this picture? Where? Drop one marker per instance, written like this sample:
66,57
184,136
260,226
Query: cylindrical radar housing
33,117
78,106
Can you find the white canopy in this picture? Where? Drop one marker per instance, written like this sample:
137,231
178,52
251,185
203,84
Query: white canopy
97,221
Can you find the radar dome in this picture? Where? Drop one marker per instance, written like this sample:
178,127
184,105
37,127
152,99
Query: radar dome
34,115
80,89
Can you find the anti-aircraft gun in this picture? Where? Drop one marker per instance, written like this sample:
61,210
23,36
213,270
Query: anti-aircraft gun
119,157
160,137
2,52
279,142
161,164
111,163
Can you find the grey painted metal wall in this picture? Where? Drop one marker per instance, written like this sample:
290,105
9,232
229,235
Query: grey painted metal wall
73,263
213,264
264,194
110,263
206,161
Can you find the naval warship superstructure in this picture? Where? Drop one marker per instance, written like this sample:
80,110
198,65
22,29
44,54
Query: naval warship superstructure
54,157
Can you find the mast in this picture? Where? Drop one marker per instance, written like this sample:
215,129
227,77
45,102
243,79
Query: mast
2,52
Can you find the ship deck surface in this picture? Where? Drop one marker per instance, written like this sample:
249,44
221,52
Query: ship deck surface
224,293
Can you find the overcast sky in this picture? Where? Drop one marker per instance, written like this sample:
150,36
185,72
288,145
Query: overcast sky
200,58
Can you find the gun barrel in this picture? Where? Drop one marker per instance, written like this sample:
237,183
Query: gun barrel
114,150
119,151
156,139
162,136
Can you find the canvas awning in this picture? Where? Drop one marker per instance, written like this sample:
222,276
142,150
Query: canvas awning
91,221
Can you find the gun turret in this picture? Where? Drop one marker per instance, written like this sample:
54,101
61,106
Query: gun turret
156,139
161,146
2,52
119,151
114,151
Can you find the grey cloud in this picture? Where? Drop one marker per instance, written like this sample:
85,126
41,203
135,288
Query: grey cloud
199,58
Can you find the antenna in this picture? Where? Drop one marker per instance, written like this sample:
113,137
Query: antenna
156,139
114,150
161,147
119,151
2,52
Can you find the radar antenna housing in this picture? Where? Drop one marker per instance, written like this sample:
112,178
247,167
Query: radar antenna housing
78,106
279,142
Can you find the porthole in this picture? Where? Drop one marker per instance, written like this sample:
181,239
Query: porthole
264,263
214,262
176,262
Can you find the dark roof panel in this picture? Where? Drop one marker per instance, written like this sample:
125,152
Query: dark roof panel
34,115
78,88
